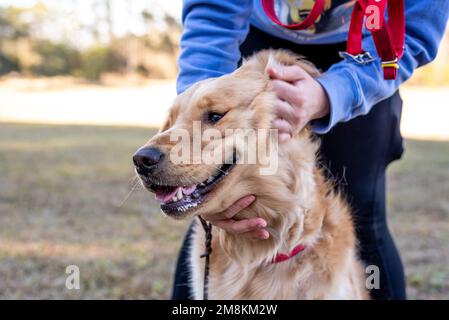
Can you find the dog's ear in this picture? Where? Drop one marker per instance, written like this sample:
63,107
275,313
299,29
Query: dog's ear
286,58
309,67
265,59
171,118
272,62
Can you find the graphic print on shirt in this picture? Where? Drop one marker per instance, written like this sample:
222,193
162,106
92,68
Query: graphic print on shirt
336,14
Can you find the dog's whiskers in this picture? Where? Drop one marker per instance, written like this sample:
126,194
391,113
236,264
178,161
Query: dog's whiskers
134,187
190,177
133,179
215,167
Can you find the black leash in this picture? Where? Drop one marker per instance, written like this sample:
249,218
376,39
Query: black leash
208,250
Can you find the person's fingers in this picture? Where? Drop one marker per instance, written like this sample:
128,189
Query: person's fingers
258,234
283,126
285,111
288,92
240,226
235,208
287,73
284,137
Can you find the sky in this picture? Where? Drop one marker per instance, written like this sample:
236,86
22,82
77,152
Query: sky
74,13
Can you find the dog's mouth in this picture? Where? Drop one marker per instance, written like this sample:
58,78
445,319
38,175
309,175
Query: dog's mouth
178,200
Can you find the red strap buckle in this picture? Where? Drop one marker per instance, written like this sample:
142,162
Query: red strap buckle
390,69
391,64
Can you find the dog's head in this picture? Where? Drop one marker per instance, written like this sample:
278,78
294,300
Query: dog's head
200,161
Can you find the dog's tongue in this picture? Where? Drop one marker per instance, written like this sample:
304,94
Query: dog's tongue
163,195
188,190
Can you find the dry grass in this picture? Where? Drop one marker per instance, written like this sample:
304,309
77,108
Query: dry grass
418,202
60,203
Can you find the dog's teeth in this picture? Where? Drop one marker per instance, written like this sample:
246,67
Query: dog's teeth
210,179
187,206
179,194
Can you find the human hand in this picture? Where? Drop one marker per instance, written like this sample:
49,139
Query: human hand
253,228
300,99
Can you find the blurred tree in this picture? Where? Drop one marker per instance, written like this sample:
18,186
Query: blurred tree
109,20
12,28
12,25
99,60
56,59
28,43
8,64
172,23
22,50
148,17
37,16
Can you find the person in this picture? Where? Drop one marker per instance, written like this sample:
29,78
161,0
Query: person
350,106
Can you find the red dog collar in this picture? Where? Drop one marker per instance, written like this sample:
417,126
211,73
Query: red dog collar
280,257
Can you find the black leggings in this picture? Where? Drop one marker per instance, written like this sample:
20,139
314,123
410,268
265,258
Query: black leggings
357,154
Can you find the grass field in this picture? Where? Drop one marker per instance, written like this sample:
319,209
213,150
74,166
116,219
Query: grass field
61,193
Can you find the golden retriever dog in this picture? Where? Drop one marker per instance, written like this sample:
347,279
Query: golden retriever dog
309,222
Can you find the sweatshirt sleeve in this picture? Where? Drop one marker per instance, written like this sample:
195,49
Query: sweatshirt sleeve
354,88
213,32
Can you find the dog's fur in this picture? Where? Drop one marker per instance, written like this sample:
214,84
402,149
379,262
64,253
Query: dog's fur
299,205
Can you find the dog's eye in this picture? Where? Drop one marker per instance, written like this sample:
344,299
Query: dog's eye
213,117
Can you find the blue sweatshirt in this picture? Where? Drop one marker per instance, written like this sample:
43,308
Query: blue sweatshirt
214,29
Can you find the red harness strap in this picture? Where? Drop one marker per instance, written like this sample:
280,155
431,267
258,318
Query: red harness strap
388,37
280,257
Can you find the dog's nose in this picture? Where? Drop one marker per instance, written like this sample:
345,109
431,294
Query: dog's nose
147,158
